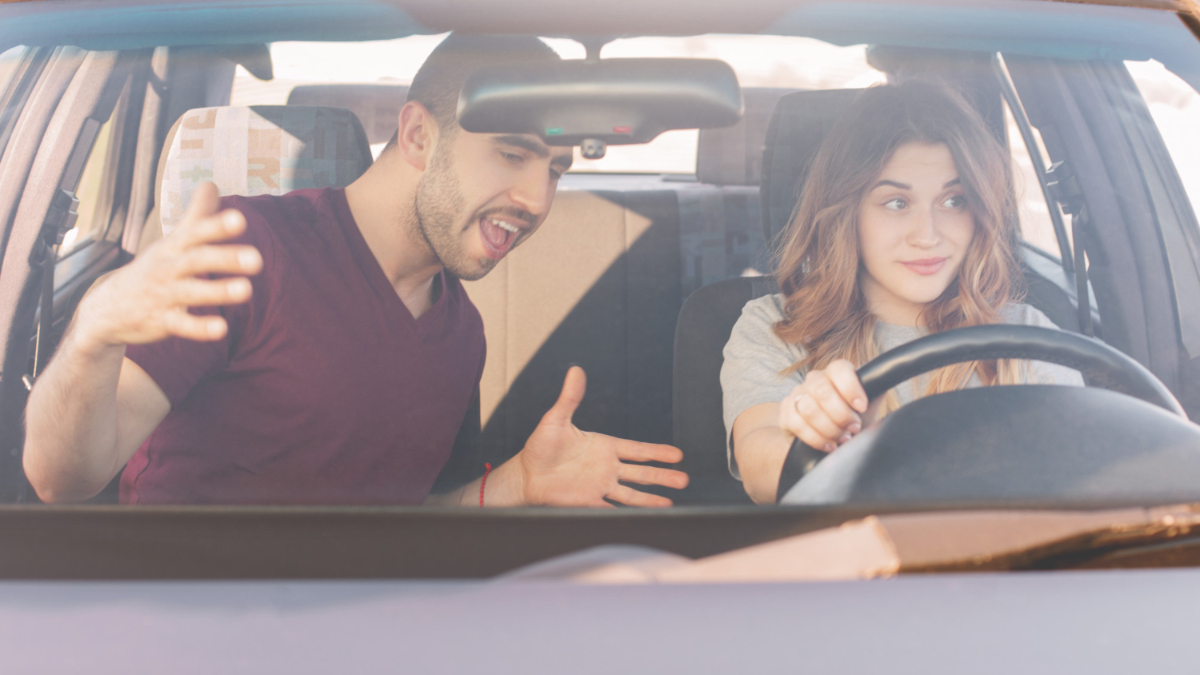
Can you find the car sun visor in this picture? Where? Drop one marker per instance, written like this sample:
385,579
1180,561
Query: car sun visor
608,101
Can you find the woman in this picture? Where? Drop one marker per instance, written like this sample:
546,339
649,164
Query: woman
906,226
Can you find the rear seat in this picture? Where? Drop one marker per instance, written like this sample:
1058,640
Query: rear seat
377,106
602,283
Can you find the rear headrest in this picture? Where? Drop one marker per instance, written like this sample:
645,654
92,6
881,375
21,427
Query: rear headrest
258,150
377,105
733,155
794,135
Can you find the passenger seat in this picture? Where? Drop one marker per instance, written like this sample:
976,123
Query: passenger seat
252,151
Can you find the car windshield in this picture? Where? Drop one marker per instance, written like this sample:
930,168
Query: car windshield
815,304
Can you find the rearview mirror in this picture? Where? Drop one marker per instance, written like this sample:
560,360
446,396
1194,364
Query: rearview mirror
609,101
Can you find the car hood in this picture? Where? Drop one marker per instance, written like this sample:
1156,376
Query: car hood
888,545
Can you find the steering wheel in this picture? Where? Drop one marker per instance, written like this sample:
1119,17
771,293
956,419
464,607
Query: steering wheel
1101,365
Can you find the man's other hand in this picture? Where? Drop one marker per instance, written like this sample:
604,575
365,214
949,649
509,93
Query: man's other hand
148,299
564,466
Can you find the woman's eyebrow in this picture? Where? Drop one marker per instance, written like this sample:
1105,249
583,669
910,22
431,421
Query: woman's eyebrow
951,183
892,183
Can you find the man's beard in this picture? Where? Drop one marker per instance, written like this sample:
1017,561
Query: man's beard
438,209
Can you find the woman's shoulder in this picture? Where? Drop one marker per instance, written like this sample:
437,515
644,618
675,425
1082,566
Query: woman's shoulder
756,326
1021,314
768,309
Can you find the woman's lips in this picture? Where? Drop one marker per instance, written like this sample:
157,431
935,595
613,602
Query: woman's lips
926,266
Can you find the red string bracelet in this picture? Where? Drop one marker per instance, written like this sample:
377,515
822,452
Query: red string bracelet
487,468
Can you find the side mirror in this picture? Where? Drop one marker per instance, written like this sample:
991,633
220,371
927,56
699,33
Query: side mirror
594,103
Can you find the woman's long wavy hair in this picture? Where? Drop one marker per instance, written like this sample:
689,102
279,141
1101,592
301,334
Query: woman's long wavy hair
819,266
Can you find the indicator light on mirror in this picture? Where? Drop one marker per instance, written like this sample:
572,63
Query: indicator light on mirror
622,130
554,131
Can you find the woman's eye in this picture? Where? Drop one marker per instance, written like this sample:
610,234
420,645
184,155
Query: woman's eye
955,202
896,204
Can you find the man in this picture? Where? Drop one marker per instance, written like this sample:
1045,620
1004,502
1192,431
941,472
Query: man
318,347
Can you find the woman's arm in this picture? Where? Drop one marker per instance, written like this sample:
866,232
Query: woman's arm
824,411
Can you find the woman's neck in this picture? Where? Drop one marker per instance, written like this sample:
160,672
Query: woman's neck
887,307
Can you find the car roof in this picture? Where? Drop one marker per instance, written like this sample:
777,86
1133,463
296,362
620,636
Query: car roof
1061,29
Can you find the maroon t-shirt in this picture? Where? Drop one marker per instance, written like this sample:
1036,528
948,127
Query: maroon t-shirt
325,389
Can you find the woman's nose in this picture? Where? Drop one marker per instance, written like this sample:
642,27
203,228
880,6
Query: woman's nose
924,232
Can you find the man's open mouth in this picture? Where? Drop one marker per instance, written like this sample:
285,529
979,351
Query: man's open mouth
498,236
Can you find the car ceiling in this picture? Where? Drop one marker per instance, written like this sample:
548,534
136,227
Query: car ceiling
1064,29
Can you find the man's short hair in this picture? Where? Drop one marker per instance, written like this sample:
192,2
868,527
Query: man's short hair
439,80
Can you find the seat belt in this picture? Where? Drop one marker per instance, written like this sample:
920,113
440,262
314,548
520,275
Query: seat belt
1065,189
60,219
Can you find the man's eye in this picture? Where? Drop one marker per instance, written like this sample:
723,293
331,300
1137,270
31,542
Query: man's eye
897,204
512,158
955,202
555,175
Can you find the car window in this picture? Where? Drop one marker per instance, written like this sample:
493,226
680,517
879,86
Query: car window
604,283
95,188
8,65
759,61
1037,229
1175,107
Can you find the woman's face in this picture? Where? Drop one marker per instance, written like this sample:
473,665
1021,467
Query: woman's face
914,227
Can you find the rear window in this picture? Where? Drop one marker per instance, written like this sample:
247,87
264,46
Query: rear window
759,61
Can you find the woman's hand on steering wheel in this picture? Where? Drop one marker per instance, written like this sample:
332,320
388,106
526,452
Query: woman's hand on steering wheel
827,409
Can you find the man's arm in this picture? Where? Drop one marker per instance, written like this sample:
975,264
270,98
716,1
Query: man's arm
561,465
92,407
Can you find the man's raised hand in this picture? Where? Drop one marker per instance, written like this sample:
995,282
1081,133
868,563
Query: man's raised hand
148,299
564,466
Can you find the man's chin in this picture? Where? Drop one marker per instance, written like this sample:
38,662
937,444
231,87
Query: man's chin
473,272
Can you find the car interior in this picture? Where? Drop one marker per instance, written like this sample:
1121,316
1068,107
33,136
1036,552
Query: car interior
635,277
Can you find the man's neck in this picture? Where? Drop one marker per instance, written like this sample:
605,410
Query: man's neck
382,203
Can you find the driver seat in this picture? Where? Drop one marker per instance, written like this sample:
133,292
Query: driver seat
798,126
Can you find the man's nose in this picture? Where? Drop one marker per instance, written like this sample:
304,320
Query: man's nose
533,192
924,232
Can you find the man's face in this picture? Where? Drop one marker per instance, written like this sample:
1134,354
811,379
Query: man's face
484,194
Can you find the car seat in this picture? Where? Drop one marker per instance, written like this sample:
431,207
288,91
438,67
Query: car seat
377,106
798,126
252,151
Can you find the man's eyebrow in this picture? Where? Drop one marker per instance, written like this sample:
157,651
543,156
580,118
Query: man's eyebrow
524,143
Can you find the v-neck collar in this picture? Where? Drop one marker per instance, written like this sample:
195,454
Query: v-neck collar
373,271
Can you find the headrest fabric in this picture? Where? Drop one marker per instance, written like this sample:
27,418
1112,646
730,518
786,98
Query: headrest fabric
797,129
733,155
258,150
376,105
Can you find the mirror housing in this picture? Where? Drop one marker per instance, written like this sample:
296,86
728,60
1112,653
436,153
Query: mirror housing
613,101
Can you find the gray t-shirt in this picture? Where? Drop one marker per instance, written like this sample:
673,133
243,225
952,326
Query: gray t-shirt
755,356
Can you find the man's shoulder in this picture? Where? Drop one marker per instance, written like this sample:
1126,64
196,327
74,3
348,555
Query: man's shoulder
269,209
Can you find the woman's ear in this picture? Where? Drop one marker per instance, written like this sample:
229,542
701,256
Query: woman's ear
417,135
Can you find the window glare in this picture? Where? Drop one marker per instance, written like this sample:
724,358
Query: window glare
1175,108
8,65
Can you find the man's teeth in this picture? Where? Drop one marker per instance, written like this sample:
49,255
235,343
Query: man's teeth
505,226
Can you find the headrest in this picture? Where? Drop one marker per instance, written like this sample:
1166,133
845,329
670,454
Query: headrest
733,155
258,150
377,105
794,135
